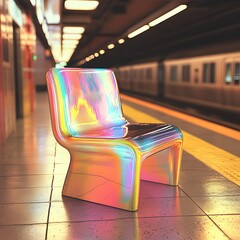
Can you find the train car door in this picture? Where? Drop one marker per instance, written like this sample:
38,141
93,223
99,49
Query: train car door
17,71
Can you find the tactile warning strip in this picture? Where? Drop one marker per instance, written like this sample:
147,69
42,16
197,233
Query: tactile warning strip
221,161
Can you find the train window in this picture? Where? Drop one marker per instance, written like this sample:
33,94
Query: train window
125,74
212,73
237,73
209,72
149,74
141,74
205,72
185,73
173,73
134,74
228,75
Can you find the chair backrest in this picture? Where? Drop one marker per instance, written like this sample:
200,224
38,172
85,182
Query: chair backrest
83,99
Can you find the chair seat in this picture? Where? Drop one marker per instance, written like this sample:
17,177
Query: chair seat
145,135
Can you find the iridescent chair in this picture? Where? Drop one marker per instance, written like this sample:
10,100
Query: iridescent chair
109,155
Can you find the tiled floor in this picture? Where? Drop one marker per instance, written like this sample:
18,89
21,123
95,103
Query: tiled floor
32,171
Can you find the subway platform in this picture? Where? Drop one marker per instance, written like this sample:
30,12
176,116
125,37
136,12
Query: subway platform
205,205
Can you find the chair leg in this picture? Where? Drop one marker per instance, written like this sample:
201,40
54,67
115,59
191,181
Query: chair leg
163,166
108,178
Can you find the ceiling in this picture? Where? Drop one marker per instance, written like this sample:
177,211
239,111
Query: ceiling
205,26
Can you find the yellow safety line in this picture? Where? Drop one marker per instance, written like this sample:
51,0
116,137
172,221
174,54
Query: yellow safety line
221,161
197,121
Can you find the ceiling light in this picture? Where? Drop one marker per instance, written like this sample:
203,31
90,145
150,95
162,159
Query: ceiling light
73,29
67,49
96,54
52,11
138,31
67,52
71,42
56,35
65,46
80,5
102,51
82,62
121,41
65,59
56,52
111,46
76,36
168,15
33,2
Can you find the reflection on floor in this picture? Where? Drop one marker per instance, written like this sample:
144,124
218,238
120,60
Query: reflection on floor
32,171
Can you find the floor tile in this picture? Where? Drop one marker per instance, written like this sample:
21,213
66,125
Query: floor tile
26,181
78,210
190,163
57,194
25,195
175,206
61,168
23,232
31,213
59,180
26,169
217,186
171,228
152,190
229,224
62,155
45,159
219,205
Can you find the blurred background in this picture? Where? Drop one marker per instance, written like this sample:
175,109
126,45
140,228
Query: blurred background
180,54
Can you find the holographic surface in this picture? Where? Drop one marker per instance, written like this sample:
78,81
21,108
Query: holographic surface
109,155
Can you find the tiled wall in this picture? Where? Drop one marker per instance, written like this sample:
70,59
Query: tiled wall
17,92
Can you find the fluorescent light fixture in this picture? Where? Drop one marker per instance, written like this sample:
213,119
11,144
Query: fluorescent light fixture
138,31
66,49
69,42
65,59
53,19
52,11
101,51
80,5
56,35
73,29
96,54
168,15
56,52
111,46
33,2
76,36
82,62
121,41
39,12
67,53
45,27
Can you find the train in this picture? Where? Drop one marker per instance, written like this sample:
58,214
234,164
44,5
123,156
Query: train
210,81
